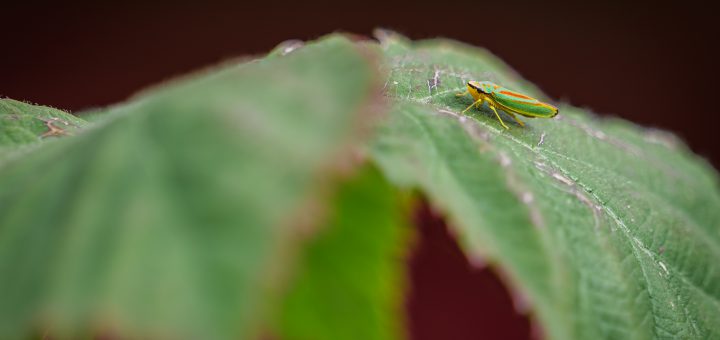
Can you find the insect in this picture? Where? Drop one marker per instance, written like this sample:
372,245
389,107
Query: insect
507,100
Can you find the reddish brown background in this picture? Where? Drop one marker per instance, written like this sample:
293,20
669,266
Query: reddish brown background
650,63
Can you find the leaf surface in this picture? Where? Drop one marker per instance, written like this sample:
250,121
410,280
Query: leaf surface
351,280
24,125
606,229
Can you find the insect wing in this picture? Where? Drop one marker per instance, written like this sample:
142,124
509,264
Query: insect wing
522,104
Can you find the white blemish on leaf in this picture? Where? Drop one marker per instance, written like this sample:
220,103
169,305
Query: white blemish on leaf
661,137
505,160
434,82
535,216
562,178
541,166
542,139
288,46
450,113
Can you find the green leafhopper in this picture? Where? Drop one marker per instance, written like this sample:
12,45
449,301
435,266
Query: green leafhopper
507,100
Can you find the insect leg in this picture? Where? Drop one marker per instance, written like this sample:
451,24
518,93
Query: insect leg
477,102
498,117
516,119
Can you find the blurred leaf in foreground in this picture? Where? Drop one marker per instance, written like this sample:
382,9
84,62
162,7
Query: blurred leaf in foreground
178,213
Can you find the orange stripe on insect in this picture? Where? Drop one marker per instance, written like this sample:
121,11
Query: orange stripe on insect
529,103
515,94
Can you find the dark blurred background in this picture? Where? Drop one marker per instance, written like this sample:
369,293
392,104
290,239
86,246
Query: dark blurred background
650,63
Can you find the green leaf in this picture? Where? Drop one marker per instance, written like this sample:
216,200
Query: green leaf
232,204
23,124
177,214
606,229
351,277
